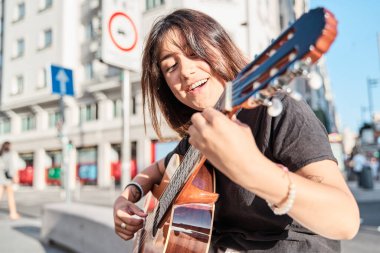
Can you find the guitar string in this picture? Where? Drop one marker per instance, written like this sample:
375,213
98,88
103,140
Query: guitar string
190,155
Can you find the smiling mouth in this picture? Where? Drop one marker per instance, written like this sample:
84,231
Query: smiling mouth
198,84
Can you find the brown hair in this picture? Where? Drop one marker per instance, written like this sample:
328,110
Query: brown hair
5,147
205,38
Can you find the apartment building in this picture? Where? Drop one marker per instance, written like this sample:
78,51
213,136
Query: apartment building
39,33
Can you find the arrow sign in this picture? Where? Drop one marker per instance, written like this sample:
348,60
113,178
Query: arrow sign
62,80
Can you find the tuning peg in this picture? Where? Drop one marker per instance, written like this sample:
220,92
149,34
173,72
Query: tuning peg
292,93
315,80
295,95
300,68
275,106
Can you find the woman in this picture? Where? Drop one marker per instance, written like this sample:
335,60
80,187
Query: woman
262,207
7,178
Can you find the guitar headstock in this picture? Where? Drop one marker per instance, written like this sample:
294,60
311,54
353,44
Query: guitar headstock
290,55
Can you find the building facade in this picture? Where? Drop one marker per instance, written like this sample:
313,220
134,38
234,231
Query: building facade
39,33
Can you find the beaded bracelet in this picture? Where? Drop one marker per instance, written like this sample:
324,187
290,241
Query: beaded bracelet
287,206
139,188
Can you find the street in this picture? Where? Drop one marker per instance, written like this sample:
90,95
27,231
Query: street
24,235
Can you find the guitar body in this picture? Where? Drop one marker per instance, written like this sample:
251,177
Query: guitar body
187,227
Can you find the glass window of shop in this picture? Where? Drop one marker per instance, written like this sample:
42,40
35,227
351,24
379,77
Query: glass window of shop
53,167
116,161
25,166
87,169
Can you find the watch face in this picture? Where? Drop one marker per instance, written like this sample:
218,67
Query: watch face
122,31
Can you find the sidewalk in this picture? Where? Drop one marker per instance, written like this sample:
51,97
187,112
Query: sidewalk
365,195
26,231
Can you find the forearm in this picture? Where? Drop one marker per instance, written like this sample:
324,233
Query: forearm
323,207
146,179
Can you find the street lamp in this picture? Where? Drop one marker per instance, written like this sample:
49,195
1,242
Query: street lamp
371,82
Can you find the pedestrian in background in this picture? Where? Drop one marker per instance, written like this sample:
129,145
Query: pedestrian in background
188,59
374,164
359,161
7,178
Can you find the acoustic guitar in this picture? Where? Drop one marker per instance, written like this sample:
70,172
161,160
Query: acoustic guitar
181,209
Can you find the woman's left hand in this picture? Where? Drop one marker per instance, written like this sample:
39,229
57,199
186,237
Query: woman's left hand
227,143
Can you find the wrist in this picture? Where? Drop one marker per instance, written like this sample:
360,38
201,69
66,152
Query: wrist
133,192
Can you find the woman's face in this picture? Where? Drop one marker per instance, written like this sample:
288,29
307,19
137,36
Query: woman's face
190,78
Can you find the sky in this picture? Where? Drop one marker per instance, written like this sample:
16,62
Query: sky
353,58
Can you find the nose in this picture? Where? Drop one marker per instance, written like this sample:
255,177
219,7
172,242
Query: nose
187,67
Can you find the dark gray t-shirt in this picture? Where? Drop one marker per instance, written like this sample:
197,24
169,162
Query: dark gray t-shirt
244,221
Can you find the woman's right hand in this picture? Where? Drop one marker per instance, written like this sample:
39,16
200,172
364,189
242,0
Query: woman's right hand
128,218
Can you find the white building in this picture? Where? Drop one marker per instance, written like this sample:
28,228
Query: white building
39,33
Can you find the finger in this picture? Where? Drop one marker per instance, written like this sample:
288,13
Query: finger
212,116
132,226
130,220
130,211
133,209
124,236
123,231
128,229
199,122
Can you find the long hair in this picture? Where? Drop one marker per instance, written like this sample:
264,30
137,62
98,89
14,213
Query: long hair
5,147
205,38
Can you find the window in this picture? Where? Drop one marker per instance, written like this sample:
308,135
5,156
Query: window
54,119
19,12
45,39
45,4
28,122
42,78
19,48
90,33
88,112
117,108
5,125
18,85
89,71
48,37
113,71
151,4
134,105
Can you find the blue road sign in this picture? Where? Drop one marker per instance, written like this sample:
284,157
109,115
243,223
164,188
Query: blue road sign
62,80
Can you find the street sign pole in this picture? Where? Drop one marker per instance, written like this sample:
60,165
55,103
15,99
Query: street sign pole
121,47
65,159
64,142
62,84
126,147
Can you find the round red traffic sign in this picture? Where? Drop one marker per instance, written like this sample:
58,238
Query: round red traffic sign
122,31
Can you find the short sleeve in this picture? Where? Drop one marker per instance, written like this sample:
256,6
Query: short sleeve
299,138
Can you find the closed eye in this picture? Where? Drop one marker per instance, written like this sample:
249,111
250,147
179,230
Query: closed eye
171,68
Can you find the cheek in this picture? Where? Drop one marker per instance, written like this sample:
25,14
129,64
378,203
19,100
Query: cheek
174,84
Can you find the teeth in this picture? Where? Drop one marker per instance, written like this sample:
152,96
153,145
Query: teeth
197,84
